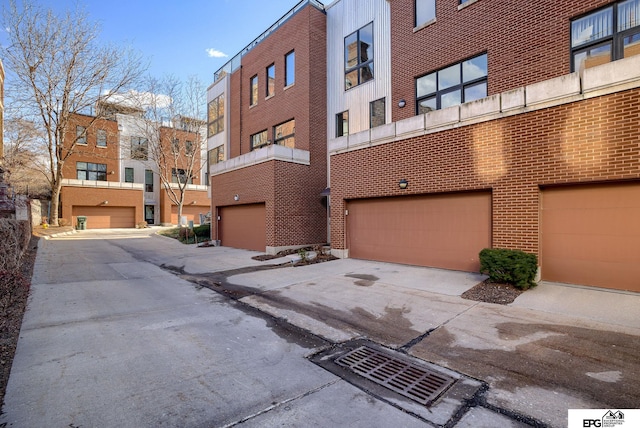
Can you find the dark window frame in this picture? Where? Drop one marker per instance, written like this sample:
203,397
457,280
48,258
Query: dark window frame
139,148
263,143
148,183
461,86
181,174
340,121
81,135
278,139
215,155
372,110
289,71
417,24
270,78
215,116
360,66
101,136
126,176
615,40
90,168
253,90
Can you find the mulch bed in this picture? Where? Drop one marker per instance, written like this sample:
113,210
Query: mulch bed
492,292
12,318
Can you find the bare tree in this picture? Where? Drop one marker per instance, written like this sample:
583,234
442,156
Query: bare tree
174,128
55,68
26,167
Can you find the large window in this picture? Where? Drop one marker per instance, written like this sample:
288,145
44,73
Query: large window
606,35
180,176
91,171
459,83
216,155
188,147
148,180
358,57
81,135
284,134
101,138
271,80
128,175
253,87
342,124
260,139
425,11
215,113
289,68
139,148
377,115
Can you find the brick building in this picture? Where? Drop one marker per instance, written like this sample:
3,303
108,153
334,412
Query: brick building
507,125
111,177
267,137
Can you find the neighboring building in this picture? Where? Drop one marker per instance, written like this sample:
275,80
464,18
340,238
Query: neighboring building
267,137
112,178
513,125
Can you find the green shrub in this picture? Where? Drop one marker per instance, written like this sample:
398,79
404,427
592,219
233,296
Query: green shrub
203,232
510,266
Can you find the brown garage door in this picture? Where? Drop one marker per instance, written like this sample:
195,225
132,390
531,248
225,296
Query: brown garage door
591,235
106,217
190,211
446,231
243,226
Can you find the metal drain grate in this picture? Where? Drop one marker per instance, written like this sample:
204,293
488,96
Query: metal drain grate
417,383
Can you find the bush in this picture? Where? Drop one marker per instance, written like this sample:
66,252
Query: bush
15,239
12,285
203,231
511,266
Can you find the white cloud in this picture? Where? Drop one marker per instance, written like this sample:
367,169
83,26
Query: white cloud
214,53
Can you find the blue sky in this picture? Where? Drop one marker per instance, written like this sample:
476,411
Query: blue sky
180,38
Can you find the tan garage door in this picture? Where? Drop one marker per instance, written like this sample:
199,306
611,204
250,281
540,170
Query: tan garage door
591,235
445,231
190,211
243,226
106,217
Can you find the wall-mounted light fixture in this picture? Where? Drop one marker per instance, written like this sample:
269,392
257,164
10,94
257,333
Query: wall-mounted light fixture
104,202
111,172
236,197
403,184
193,202
402,103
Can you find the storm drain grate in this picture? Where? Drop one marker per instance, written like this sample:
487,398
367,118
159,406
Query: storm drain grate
417,383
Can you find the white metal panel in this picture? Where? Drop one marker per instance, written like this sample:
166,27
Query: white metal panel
343,18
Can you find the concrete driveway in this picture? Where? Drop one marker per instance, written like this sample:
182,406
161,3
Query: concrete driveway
555,348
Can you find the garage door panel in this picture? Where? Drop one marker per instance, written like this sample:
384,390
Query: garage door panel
445,231
105,217
243,226
591,235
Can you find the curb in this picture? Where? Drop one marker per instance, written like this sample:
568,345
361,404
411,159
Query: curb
55,235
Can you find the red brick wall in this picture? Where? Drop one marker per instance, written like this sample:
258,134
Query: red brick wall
90,152
291,192
526,42
199,196
594,140
94,196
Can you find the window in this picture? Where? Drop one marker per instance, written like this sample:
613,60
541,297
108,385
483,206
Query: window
459,83
376,113
260,139
425,11
254,91
358,57
284,134
81,135
215,113
139,148
91,171
606,35
188,147
290,68
148,180
175,146
342,124
128,175
216,155
180,176
101,138
271,80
